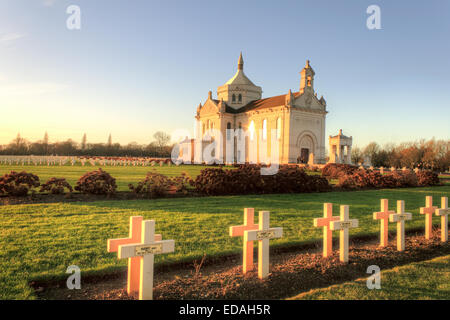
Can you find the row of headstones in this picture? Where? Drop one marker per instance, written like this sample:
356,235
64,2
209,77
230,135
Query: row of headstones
54,161
392,169
27,160
142,243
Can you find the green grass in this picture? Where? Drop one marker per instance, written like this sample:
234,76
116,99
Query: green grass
416,281
123,175
39,241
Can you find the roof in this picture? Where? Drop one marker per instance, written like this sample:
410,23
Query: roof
262,104
240,78
342,136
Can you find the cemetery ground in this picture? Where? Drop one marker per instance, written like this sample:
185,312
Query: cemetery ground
39,241
293,270
428,279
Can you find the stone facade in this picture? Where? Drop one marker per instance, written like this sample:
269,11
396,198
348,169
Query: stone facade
297,117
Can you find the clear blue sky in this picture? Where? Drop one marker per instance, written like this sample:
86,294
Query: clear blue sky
140,66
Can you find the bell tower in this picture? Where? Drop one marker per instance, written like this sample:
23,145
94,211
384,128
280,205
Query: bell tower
307,78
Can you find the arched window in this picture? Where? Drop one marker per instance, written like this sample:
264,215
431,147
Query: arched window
251,128
278,128
264,129
240,130
228,131
240,97
233,98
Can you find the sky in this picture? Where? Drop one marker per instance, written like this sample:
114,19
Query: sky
141,66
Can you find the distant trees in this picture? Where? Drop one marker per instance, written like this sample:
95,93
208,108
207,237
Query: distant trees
19,145
357,155
160,147
432,154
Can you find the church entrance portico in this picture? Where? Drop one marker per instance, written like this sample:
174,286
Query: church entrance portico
306,146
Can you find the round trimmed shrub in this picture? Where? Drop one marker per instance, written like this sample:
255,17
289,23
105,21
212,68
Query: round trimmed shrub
18,183
97,182
56,186
427,178
157,185
247,179
336,170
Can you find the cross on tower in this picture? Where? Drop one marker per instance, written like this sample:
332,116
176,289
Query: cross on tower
145,251
327,232
383,216
263,235
444,211
238,231
428,212
343,225
134,262
400,218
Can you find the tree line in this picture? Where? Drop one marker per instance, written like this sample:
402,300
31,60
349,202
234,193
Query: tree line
424,154
159,147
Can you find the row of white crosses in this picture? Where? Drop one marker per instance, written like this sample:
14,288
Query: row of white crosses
62,160
401,216
343,223
142,243
443,212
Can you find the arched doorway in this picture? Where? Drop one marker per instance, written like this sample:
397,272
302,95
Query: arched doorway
306,148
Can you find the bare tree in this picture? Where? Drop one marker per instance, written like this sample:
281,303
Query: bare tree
357,155
162,139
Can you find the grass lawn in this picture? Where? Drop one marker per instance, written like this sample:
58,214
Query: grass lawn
39,241
421,280
123,175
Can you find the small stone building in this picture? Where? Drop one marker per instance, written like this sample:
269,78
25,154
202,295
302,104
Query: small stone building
340,148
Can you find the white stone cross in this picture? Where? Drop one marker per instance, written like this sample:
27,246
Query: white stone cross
327,232
146,250
428,211
238,231
400,218
444,211
263,235
134,264
383,216
343,225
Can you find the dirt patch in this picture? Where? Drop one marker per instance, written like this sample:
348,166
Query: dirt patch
291,273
